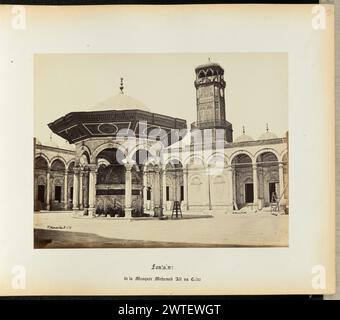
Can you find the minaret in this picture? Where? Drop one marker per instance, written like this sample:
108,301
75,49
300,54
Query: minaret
210,99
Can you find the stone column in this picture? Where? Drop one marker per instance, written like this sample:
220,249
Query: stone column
65,190
86,189
281,184
48,189
128,190
255,187
230,199
81,190
157,193
92,189
185,186
209,190
145,188
151,191
164,188
76,188
260,184
234,186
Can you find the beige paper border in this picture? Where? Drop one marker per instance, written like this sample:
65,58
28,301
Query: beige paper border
226,28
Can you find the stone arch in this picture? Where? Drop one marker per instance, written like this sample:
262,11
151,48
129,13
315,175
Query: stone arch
44,159
137,151
244,191
84,159
171,159
43,156
70,165
268,157
103,162
267,161
191,157
264,150
201,74
284,156
57,180
84,153
58,158
106,145
210,72
84,149
236,153
218,155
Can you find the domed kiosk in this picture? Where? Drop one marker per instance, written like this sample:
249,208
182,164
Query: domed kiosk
268,135
244,137
116,141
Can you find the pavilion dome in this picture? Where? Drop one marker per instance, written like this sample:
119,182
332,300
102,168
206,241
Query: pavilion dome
268,136
120,101
243,138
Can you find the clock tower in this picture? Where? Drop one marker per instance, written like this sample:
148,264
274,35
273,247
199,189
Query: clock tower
210,100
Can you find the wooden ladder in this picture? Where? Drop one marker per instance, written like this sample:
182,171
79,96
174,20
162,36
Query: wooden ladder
276,201
176,208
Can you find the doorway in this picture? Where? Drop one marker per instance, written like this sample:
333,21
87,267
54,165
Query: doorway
249,192
41,193
57,193
272,192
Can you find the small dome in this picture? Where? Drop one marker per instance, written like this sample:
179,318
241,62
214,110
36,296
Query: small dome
268,136
120,101
207,65
243,138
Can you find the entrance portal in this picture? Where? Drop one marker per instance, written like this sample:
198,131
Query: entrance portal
41,193
249,192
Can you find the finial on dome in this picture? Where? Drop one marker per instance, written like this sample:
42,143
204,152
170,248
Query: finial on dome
267,128
121,85
243,130
209,59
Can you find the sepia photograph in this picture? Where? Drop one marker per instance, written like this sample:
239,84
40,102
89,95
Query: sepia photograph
167,150
161,150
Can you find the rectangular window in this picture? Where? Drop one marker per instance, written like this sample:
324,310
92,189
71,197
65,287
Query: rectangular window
57,193
167,193
182,193
71,193
41,193
148,194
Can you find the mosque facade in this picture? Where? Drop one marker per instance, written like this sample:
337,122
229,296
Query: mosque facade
126,161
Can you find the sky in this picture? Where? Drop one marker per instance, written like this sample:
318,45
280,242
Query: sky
256,86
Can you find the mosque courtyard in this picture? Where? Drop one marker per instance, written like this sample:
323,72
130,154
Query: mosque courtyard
64,230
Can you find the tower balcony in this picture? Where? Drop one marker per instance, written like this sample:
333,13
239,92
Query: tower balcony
219,123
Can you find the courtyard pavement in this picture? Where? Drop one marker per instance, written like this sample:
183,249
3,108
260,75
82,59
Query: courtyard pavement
221,230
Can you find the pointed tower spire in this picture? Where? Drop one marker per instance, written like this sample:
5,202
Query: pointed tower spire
243,130
121,85
267,128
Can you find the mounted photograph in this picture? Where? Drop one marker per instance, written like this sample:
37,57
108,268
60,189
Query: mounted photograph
161,150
